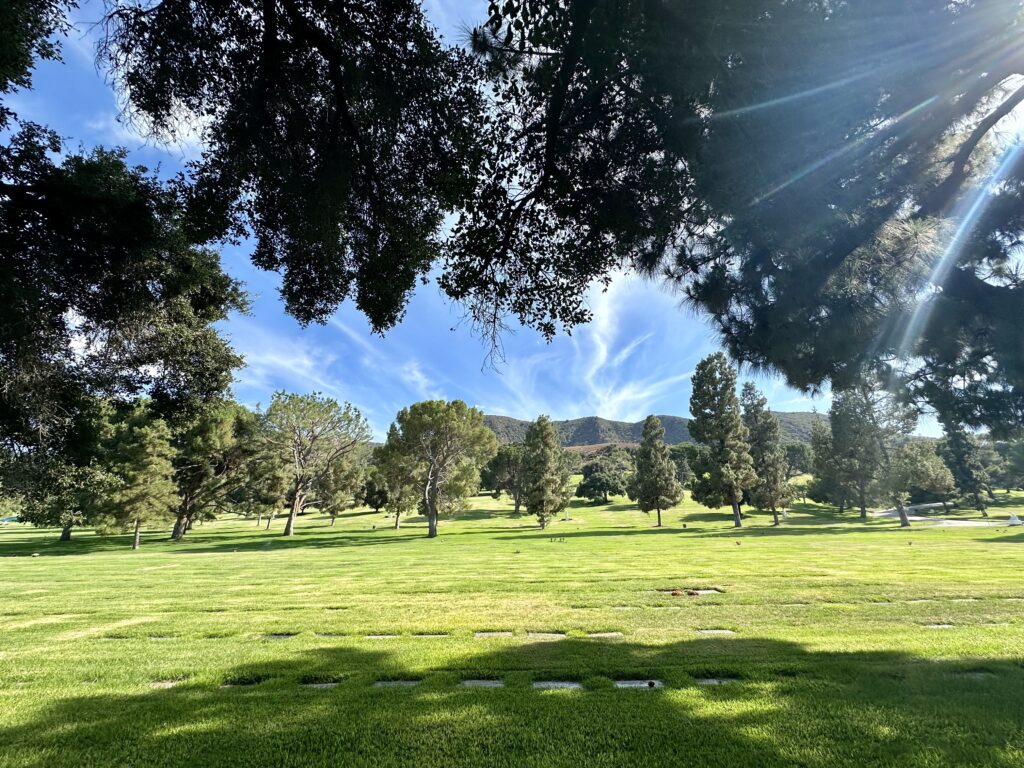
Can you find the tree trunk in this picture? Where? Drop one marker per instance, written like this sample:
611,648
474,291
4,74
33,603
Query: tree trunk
904,520
181,522
775,514
397,516
65,533
289,527
259,518
659,518
333,520
270,517
543,522
188,525
135,541
737,518
842,506
991,495
181,525
863,503
430,491
945,506
518,499
984,512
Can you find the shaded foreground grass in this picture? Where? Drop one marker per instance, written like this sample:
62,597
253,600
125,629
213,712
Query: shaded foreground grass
874,647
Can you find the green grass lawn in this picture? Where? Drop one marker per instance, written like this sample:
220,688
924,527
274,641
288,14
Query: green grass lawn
851,643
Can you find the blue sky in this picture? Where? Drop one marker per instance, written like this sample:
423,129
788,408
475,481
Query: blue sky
635,358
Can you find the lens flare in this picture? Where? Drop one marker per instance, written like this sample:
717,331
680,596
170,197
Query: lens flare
967,213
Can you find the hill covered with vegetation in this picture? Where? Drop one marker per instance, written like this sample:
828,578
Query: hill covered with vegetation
593,430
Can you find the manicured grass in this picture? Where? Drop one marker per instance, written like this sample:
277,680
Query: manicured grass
837,655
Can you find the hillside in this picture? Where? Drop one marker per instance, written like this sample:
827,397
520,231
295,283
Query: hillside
593,430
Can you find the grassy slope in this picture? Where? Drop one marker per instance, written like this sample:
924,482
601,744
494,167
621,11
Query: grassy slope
834,659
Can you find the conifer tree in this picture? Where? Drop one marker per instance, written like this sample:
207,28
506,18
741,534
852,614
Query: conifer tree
726,469
770,490
141,457
962,455
450,444
545,473
826,485
654,484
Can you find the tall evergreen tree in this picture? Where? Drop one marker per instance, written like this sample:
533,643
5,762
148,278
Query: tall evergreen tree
141,459
770,490
545,473
962,455
654,484
857,444
726,470
210,459
827,484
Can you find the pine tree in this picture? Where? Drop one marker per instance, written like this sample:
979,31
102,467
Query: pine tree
857,443
726,469
545,473
962,455
450,444
771,489
654,484
141,459
312,434
826,485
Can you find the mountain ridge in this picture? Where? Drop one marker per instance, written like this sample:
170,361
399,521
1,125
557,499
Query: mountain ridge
596,430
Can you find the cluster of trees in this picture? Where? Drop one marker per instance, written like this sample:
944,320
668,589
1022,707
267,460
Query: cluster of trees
567,140
865,455
135,468
738,458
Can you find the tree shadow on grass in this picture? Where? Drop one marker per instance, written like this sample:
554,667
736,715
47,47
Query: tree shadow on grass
780,705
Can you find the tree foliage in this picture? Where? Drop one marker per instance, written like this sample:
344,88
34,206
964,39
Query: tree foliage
915,466
318,441
399,472
545,472
770,490
726,469
449,444
607,475
655,483
338,134
962,455
140,460
504,473
799,459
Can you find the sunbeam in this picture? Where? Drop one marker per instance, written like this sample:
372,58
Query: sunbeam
967,214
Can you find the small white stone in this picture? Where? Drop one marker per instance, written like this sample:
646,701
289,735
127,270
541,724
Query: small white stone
552,685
